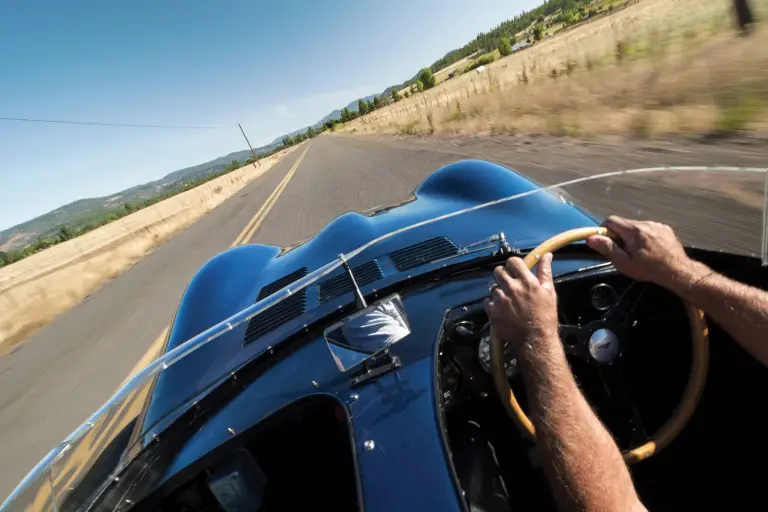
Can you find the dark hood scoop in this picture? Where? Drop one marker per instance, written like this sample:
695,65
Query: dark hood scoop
288,309
424,252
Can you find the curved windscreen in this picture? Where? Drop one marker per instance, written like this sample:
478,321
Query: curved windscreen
720,208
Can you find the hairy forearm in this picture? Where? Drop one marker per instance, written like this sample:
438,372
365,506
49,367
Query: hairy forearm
740,309
581,460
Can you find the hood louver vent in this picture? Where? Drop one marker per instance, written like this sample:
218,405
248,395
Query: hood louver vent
288,309
423,252
339,285
282,283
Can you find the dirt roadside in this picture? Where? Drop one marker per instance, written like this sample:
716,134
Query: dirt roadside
37,289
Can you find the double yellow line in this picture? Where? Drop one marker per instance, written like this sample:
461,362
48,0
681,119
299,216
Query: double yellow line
254,224
245,235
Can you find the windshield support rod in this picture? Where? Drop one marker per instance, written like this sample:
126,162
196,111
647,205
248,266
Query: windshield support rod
359,299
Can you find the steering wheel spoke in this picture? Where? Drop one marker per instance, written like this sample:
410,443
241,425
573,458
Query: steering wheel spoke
623,314
624,417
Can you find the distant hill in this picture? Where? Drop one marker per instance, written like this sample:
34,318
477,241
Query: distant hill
24,233
71,214
520,25
353,105
279,140
485,41
336,114
219,164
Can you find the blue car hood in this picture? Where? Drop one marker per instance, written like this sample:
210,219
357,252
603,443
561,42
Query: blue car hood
233,280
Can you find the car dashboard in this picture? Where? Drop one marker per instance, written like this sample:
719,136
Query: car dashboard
465,355
494,463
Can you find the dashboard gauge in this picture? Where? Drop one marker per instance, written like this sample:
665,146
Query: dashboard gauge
603,297
484,354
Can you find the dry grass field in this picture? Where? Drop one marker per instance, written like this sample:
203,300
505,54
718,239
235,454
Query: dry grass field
36,289
655,67
442,75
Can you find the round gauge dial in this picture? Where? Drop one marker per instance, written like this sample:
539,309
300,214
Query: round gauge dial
603,297
484,353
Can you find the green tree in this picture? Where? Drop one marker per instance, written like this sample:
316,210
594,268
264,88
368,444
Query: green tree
345,115
427,78
128,208
310,132
538,33
407,94
4,259
65,233
376,102
362,107
395,96
371,108
505,47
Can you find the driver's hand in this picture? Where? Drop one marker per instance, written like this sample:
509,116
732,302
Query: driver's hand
649,251
523,307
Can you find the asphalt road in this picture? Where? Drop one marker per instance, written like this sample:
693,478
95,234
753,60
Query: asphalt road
60,375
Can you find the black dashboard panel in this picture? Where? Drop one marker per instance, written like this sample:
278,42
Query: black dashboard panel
655,354
657,360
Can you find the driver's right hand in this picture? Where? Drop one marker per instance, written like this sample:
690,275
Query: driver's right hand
648,251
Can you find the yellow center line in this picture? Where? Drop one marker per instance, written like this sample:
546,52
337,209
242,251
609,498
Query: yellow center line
247,227
243,238
272,200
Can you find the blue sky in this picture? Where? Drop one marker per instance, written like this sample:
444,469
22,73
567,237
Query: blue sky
272,66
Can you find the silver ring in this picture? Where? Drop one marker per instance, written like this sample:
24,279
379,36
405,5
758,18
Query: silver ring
492,286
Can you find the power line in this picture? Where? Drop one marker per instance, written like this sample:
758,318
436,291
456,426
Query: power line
94,123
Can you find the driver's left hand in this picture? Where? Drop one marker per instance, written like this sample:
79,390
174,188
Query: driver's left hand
523,307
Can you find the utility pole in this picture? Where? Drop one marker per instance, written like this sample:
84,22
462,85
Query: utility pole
249,145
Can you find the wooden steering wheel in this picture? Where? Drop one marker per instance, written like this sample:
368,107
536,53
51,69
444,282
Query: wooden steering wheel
690,397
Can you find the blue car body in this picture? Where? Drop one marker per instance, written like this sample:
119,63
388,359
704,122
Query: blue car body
201,404
233,280
399,412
